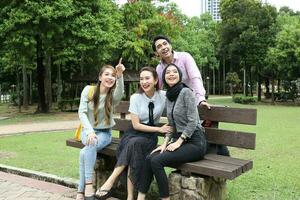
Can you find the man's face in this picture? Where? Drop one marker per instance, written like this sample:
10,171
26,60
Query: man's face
163,48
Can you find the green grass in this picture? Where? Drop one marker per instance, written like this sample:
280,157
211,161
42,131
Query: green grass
275,175
46,152
29,115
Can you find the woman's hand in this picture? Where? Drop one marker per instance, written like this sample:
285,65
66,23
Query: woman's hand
120,68
161,148
91,139
165,129
175,145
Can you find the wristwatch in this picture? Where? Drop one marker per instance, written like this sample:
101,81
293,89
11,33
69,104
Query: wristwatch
183,137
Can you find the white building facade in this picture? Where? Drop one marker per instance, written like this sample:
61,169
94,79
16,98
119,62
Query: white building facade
212,7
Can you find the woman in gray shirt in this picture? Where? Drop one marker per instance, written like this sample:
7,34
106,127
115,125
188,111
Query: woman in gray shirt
96,115
188,140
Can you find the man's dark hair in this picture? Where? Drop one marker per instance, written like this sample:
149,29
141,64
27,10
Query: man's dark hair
158,38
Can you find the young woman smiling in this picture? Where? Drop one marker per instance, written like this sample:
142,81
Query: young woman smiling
95,114
146,108
188,141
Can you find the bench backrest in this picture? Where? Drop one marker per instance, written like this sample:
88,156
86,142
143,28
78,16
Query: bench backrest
214,134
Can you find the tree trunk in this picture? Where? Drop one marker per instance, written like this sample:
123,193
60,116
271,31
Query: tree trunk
250,82
258,87
214,81
30,87
244,82
231,89
18,90
224,75
267,85
219,81
273,91
278,85
48,90
59,84
25,87
42,106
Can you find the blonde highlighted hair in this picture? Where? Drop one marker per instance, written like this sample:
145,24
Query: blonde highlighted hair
108,98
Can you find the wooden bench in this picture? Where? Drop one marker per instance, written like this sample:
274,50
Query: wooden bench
215,167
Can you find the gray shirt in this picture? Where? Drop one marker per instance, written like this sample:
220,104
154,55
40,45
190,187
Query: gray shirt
86,108
185,113
139,105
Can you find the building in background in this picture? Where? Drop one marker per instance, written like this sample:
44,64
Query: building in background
212,7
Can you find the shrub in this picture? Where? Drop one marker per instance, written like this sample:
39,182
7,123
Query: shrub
238,98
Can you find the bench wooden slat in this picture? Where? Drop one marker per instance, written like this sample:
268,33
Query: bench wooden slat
212,168
231,138
245,164
109,150
227,114
122,107
211,165
217,113
218,136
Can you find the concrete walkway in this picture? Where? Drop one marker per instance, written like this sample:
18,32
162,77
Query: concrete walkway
38,127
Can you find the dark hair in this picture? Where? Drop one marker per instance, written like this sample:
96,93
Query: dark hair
164,73
154,74
158,37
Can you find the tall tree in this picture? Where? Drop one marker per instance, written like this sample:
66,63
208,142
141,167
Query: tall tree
245,36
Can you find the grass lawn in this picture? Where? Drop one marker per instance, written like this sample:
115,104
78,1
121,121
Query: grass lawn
29,116
275,175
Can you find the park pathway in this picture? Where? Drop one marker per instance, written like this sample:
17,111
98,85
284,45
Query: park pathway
37,127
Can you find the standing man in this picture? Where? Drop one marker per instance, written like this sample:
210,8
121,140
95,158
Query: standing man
191,75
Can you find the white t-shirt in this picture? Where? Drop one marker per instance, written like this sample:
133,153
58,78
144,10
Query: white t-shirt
139,105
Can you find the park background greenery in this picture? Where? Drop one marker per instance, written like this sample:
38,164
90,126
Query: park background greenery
45,45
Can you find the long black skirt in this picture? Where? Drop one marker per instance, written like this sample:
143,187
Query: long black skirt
132,151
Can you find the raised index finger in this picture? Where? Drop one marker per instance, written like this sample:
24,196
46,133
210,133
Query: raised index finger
120,61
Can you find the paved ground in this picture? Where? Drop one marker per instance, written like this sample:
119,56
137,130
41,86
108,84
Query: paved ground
38,127
14,187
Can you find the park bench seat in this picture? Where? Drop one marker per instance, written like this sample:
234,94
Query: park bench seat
212,165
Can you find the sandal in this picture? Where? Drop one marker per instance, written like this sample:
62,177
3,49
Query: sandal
80,196
103,197
89,197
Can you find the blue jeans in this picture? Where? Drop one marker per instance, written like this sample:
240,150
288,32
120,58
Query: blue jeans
88,155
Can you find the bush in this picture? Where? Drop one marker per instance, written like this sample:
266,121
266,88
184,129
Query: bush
243,99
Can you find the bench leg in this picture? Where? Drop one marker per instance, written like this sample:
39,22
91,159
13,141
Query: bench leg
196,187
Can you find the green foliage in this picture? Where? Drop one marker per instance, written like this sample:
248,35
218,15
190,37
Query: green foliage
233,78
238,98
284,57
245,35
143,21
199,39
290,92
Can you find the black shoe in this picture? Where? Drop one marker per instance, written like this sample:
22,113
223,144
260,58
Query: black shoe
103,197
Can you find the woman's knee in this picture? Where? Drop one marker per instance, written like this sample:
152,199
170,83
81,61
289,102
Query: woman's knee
156,162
